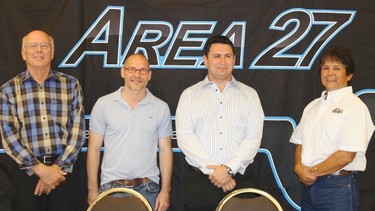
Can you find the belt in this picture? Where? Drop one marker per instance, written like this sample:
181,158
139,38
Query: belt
338,173
132,182
47,159
195,169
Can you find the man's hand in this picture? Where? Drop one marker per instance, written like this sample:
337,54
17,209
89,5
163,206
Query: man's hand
306,174
41,188
229,185
50,175
92,195
220,175
162,201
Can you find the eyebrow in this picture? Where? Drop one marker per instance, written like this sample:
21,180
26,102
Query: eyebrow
219,54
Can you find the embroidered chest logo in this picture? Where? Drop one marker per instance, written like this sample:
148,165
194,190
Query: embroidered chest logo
337,110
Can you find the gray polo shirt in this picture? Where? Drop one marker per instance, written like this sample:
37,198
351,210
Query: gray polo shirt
130,136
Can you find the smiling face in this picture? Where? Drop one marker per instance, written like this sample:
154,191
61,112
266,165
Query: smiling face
220,61
333,74
37,51
136,81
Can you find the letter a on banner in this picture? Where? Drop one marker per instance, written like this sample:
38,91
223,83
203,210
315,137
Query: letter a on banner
103,35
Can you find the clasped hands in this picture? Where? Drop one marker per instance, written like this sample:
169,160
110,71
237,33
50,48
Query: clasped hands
220,178
49,178
306,174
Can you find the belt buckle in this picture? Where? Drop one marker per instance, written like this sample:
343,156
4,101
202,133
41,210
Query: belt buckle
128,186
134,182
47,159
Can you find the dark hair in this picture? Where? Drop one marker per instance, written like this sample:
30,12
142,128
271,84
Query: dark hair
340,54
217,39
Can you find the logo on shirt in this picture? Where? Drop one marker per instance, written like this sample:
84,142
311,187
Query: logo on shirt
337,110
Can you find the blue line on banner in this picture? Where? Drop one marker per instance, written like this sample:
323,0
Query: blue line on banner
282,118
84,149
277,178
365,91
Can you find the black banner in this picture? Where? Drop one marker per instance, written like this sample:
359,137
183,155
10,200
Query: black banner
277,45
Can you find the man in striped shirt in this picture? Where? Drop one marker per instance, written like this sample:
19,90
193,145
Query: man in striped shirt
219,123
43,129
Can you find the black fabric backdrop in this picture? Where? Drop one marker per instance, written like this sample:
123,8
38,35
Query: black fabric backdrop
172,32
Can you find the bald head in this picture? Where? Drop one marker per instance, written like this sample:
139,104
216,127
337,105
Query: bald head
38,34
137,59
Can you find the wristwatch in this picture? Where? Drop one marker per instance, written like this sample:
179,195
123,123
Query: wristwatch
229,170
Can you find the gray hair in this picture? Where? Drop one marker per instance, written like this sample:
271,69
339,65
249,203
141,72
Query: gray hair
49,37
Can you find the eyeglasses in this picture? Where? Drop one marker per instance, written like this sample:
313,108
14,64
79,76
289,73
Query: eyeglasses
132,70
34,46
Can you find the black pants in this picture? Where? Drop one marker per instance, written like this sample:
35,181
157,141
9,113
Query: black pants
17,191
201,194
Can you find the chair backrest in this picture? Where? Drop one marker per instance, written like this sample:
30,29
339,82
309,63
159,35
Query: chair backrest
120,199
261,202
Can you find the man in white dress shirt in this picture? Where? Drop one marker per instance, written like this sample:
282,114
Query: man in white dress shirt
219,123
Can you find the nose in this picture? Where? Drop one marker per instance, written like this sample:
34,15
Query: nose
137,72
223,60
38,47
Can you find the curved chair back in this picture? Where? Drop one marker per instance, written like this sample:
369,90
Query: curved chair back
110,200
262,202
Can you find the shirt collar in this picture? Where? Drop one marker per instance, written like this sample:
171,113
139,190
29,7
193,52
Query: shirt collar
27,76
232,83
149,99
336,94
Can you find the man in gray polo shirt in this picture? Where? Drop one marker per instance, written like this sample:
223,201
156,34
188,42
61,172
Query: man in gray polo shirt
133,124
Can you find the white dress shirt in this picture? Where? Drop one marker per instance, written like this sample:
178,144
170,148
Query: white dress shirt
337,121
215,127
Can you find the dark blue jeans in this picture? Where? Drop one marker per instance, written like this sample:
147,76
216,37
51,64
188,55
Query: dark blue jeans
150,190
332,193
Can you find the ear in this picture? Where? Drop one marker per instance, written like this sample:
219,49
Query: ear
122,72
52,53
149,76
349,77
23,53
205,60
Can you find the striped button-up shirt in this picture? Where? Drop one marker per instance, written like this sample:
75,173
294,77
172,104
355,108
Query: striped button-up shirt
41,119
215,127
